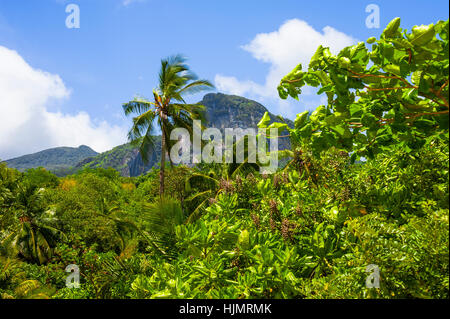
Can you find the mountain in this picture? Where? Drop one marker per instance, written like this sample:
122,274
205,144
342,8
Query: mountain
124,158
234,111
53,159
222,111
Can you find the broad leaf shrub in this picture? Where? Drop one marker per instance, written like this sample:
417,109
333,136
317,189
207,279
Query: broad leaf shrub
306,232
392,91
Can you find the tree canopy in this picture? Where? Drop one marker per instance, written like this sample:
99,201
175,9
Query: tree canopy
392,94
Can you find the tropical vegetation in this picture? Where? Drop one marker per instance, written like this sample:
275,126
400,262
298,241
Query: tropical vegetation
366,182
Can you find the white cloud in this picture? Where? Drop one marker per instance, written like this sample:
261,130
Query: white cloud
26,125
232,85
293,43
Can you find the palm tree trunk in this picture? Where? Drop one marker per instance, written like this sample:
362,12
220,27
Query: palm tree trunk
163,160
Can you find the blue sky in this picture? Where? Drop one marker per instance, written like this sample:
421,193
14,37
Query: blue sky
82,76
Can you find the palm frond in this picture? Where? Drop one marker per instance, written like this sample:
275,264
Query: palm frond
196,213
203,177
146,146
141,124
161,218
241,168
137,106
198,195
196,87
26,287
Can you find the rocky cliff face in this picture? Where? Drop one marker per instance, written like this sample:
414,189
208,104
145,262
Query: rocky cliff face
124,158
137,167
234,111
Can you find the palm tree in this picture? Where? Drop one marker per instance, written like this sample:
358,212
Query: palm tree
15,284
168,107
33,234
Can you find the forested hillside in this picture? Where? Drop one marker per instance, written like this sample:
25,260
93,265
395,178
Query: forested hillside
54,159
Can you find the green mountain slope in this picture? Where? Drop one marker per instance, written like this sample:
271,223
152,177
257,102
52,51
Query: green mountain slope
124,158
54,159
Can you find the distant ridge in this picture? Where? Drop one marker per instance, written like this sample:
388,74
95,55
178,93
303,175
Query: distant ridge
53,159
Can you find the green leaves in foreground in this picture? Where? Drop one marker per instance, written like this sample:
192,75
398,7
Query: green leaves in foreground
394,93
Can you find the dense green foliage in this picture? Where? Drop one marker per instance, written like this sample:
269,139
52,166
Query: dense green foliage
307,231
397,93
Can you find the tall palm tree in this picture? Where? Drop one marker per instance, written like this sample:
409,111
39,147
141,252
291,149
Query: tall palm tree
168,107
